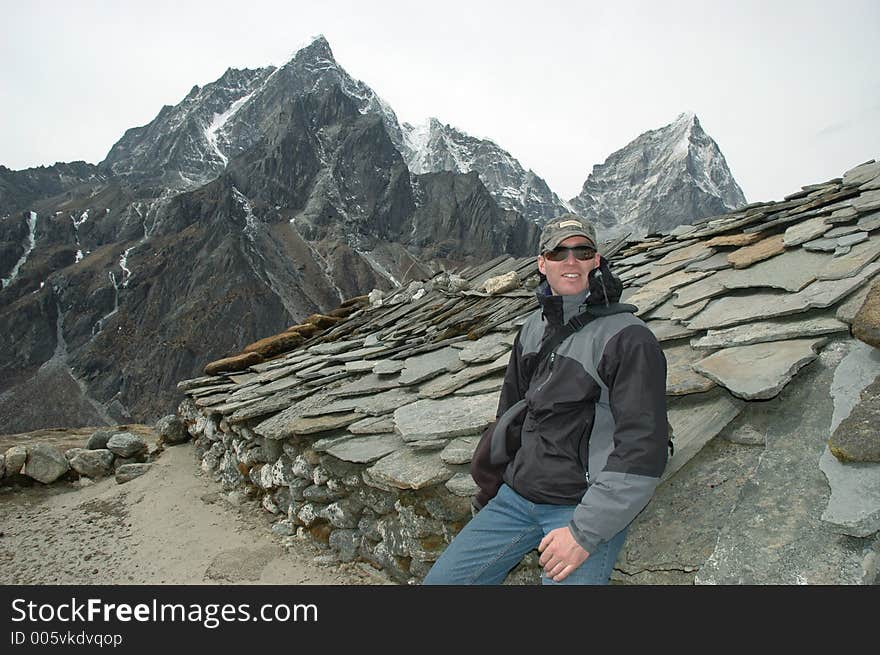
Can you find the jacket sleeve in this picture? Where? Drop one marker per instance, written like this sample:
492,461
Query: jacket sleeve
634,368
486,474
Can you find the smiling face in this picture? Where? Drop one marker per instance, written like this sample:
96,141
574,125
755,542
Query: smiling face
569,276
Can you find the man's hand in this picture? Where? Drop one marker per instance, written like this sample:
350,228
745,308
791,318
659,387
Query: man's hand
560,554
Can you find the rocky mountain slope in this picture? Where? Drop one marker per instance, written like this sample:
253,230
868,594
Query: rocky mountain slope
662,179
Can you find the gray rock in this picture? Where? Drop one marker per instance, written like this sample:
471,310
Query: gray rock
805,231
859,257
99,439
346,544
487,349
362,366
388,366
774,534
284,528
460,451
868,201
681,379
344,513
445,418
773,330
668,330
840,251
16,456
408,470
2,466
335,347
840,231
480,387
93,463
792,271
70,453
230,474
858,368
427,445
852,239
716,262
848,309
447,384
211,459
45,463
126,444
861,174
761,370
424,367
854,505
373,425
374,405
171,430
129,472
695,420
869,222
734,310
826,244
368,384
462,484
366,449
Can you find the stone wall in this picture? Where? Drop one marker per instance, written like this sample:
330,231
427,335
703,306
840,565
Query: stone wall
340,505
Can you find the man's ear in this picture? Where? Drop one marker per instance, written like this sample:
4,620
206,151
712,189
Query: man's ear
541,265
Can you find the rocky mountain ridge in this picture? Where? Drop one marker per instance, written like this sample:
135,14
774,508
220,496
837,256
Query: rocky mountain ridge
261,198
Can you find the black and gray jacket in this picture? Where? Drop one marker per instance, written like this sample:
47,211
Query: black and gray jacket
587,425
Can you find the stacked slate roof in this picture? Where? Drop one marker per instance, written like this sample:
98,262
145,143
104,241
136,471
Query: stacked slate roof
744,305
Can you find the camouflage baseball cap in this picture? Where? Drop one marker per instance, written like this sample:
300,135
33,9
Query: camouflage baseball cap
560,228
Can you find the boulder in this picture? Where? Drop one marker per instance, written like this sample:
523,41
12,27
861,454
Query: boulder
99,439
45,463
16,456
171,430
126,444
93,463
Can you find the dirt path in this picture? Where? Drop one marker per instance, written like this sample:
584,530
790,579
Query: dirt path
173,525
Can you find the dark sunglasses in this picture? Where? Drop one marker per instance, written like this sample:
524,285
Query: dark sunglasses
560,254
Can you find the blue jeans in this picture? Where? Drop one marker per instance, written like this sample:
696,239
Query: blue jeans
500,535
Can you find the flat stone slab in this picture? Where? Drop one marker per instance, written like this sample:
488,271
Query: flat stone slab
360,366
462,484
850,264
716,262
424,367
868,201
335,347
805,231
668,330
656,292
857,438
772,330
741,239
366,449
854,505
303,425
869,222
487,349
381,403
369,384
446,418
478,388
373,425
696,251
447,384
695,420
861,174
406,469
792,271
681,379
723,312
759,371
388,366
460,451
764,249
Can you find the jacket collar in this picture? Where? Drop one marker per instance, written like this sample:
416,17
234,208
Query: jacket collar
558,310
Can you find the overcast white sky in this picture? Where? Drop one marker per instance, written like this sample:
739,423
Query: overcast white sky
789,90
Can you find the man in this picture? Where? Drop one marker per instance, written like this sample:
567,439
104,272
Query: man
581,435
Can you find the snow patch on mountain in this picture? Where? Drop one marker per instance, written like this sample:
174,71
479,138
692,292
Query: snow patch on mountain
29,243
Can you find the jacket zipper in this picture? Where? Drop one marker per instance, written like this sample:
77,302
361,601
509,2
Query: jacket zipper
550,375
